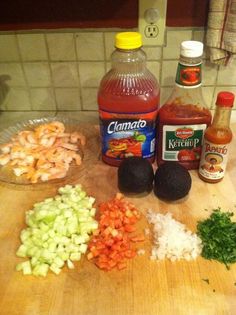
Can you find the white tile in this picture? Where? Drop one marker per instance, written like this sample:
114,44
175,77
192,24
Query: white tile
68,99
154,67
65,74
90,46
153,53
13,74
209,73
61,47
199,35
17,99
224,88
169,72
109,44
174,39
42,99
32,47
9,50
91,73
227,74
37,74
89,98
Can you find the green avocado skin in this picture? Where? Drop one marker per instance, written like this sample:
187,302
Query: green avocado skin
135,175
172,181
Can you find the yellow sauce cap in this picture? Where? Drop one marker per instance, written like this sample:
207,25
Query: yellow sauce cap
128,40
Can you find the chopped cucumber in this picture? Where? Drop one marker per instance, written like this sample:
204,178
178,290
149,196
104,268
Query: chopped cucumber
57,232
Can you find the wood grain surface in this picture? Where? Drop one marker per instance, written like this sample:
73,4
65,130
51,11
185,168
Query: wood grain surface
146,287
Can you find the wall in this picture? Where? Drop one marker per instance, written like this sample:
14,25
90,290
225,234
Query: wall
60,70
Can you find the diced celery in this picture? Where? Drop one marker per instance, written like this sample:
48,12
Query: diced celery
41,270
78,239
55,269
59,262
83,248
26,267
63,255
31,251
46,255
34,261
58,229
75,256
25,234
93,212
22,251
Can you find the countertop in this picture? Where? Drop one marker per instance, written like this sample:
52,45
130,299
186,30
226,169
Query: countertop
145,287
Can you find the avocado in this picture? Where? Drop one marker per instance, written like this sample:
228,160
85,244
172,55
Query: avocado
135,175
172,181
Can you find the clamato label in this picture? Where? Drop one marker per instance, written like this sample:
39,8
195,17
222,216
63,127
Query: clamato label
182,143
125,135
213,160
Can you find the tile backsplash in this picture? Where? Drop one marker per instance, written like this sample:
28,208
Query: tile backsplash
61,70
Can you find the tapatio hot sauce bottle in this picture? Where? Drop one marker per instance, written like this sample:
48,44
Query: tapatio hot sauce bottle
128,100
216,141
183,119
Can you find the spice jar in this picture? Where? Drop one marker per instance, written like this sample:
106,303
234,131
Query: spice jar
216,141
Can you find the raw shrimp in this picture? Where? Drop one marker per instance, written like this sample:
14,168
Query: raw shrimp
44,153
4,158
75,136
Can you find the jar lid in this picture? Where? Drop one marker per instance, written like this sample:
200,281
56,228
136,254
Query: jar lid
225,99
191,48
128,40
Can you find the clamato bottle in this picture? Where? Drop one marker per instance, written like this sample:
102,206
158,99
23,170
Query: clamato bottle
128,101
216,141
183,119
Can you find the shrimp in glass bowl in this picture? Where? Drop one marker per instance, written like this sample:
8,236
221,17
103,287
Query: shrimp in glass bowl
42,150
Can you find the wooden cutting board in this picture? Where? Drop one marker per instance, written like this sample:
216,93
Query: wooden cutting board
146,287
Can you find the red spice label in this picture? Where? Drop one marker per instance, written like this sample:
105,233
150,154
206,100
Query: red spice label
188,75
125,135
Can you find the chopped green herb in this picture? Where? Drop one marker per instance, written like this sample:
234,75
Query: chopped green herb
205,209
206,280
218,235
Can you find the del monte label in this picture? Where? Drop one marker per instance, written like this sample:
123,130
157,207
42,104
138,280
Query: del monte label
184,133
182,142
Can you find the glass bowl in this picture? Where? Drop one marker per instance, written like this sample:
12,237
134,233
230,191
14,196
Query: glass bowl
89,153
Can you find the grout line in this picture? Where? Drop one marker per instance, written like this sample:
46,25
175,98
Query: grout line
49,61
23,71
78,72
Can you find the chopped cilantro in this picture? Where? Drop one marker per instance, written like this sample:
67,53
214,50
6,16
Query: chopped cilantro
218,235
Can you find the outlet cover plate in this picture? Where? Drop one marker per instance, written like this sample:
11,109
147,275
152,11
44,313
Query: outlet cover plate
153,33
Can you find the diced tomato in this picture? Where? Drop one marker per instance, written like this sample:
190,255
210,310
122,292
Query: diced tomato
110,245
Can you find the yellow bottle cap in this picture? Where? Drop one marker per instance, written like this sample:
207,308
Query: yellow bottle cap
128,40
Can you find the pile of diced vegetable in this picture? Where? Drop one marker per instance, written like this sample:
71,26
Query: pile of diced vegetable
58,231
111,244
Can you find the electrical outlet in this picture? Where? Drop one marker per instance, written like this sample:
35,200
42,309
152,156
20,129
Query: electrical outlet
152,21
